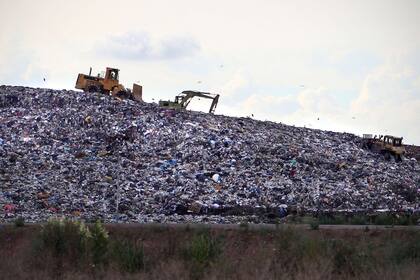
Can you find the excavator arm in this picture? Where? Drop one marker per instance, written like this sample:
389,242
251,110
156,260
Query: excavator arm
185,97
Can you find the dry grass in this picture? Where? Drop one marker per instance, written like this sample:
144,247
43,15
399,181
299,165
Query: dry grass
179,253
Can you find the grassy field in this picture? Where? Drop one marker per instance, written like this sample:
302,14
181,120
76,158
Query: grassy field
69,250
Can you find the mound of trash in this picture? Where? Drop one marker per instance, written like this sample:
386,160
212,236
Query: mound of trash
68,153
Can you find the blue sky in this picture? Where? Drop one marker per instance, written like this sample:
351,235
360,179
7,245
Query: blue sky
354,65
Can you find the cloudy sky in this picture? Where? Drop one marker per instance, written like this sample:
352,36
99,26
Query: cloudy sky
349,66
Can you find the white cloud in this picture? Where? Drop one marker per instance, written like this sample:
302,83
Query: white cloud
235,85
339,51
389,101
269,106
316,100
141,46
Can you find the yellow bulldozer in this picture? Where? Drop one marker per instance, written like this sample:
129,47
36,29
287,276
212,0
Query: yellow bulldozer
389,146
108,83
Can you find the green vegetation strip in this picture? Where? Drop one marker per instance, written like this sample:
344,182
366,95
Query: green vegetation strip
384,219
65,249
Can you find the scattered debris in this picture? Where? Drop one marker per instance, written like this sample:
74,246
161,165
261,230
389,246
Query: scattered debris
138,162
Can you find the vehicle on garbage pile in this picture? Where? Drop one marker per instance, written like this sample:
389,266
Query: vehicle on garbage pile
389,146
108,83
184,98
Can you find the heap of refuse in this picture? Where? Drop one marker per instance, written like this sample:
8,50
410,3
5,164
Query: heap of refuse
91,156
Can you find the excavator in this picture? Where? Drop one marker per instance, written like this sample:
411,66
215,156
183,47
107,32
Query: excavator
184,98
108,84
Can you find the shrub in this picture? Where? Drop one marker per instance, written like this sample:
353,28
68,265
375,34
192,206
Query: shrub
63,237
384,219
201,252
188,228
203,248
293,246
330,219
314,225
244,225
99,243
358,220
19,222
349,259
406,251
286,237
310,248
128,255
406,219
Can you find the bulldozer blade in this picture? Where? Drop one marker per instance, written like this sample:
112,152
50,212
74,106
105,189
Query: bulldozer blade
137,92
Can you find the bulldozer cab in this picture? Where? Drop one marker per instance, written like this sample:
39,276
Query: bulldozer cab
393,141
111,79
111,74
389,146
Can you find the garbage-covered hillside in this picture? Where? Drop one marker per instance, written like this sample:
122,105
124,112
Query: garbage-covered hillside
95,157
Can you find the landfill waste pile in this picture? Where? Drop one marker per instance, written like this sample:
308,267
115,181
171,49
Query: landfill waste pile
90,156
413,151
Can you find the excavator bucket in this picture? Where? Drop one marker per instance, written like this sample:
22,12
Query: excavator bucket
137,92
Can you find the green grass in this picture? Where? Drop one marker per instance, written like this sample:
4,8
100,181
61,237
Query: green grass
128,255
201,252
203,248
